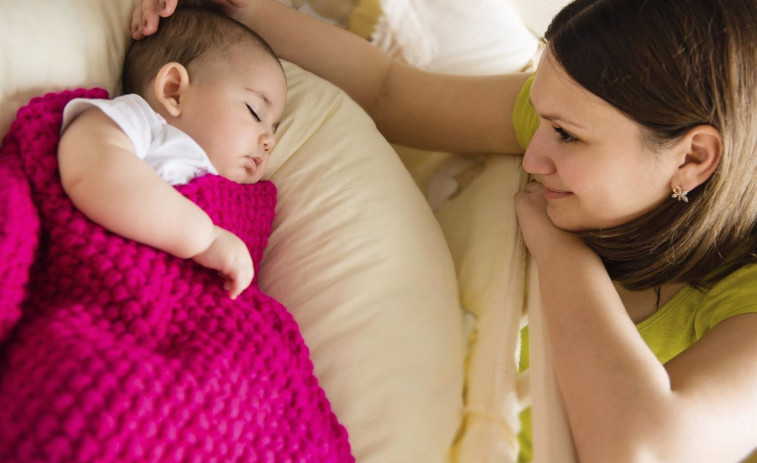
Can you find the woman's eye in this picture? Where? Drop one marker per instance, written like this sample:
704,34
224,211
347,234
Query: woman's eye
254,114
565,136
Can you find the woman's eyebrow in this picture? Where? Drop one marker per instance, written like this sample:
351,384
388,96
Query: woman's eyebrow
556,117
562,120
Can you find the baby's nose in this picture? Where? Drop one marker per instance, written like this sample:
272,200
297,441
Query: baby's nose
268,141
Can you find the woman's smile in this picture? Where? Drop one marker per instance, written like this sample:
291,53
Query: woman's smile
553,193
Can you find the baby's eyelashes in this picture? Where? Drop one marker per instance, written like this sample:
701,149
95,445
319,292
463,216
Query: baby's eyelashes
254,114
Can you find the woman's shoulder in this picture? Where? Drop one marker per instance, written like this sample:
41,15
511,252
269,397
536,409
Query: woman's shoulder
735,294
740,281
525,120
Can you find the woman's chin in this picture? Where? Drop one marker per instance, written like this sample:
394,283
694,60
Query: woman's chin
565,222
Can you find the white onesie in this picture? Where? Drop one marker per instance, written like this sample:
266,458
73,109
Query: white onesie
173,154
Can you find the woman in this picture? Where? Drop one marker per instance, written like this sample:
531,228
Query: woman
643,223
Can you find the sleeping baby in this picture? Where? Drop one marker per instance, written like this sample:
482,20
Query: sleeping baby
201,97
126,349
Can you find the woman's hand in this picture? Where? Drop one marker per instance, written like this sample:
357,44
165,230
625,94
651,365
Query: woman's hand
147,13
542,237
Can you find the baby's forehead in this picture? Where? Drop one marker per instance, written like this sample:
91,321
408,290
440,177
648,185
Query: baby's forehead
251,49
237,56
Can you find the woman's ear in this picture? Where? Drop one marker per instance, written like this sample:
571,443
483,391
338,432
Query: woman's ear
702,151
170,83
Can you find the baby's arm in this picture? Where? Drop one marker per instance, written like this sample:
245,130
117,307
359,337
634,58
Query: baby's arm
114,188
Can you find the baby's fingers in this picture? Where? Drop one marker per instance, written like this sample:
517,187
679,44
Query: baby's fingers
235,285
235,288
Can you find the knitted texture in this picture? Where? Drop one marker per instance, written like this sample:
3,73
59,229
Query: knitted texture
123,353
19,224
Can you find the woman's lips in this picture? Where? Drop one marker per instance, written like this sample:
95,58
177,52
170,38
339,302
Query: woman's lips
551,194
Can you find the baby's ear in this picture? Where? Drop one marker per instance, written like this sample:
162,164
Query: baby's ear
171,82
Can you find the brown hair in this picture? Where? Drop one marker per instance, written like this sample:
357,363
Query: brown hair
187,37
670,65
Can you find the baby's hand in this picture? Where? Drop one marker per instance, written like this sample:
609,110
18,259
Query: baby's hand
229,255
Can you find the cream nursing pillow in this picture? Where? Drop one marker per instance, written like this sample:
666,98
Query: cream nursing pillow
360,261
355,254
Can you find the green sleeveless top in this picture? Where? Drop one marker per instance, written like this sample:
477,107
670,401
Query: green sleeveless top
678,324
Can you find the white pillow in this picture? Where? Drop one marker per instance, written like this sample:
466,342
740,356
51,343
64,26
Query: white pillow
450,36
355,254
538,14
51,46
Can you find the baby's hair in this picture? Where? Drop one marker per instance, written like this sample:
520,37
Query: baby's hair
186,37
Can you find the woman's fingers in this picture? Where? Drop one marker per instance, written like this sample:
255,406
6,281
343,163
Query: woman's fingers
136,22
147,14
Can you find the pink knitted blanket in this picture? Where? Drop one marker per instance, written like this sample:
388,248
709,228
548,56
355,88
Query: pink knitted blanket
113,351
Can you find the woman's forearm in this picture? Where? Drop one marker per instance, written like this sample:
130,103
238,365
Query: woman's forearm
410,106
623,405
613,387
328,51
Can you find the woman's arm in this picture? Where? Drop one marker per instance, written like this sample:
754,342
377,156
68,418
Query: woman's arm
410,106
622,404
114,188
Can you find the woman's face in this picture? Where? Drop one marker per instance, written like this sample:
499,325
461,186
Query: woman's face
596,170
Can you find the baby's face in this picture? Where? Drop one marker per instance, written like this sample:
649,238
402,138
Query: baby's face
232,110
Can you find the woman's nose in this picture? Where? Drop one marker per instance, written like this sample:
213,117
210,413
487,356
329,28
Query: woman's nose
536,159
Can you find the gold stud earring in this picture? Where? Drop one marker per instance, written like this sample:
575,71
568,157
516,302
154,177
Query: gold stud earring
679,194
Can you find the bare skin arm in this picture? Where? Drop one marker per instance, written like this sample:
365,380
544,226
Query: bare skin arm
622,404
114,188
410,106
